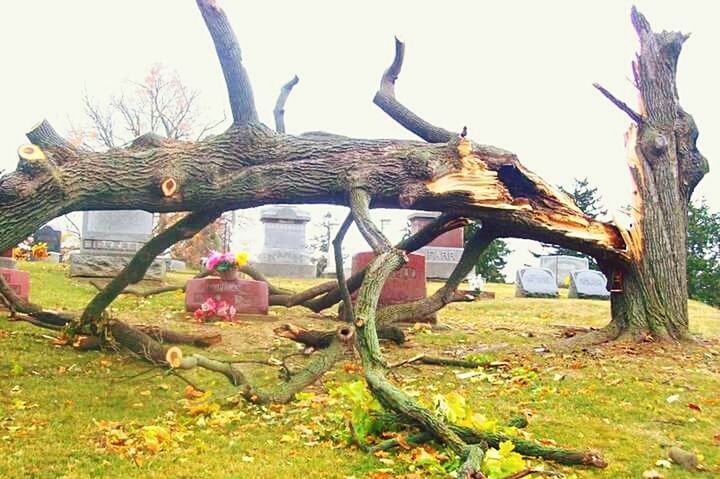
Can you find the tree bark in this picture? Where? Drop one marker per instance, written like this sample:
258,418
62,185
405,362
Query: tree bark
650,300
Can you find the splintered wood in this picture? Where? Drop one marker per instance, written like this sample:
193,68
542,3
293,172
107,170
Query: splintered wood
475,179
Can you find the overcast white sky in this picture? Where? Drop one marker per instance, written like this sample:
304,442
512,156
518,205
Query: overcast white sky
519,74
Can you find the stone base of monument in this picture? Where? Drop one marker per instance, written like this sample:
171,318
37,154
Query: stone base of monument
248,296
19,281
286,270
535,283
108,266
440,261
588,284
402,286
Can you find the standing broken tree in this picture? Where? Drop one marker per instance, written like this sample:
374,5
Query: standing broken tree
251,164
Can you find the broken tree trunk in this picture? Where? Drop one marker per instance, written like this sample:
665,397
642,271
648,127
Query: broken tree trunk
650,297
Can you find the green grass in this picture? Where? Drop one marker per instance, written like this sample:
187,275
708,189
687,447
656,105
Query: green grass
613,398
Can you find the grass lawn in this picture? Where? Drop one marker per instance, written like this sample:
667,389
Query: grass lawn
99,414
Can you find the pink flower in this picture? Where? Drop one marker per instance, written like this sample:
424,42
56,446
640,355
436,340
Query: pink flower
222,309
209,306
199,314
214,259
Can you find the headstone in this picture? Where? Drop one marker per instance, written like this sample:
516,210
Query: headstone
19,281
6,259
402,286
248,296
561,266
588,284
109,241
535,283
285,252
444,252
49,236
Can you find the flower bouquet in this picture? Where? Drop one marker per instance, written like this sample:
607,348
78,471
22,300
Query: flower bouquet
39,251
215,309
226,265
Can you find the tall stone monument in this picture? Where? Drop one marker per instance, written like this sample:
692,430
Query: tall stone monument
285,252
50,236
443,253
109,240
561,266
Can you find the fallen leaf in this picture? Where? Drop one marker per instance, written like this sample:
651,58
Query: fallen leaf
652,474
672,399
192,393
695,407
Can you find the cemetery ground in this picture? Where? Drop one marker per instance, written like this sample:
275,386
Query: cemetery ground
97,414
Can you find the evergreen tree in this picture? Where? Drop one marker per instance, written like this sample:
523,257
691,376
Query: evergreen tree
491,263
703,260
589,201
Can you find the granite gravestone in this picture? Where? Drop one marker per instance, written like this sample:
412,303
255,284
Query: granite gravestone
442,253
248,296
49,236
285,252
403,285
110,239
535,283
18,281
561,266
588,284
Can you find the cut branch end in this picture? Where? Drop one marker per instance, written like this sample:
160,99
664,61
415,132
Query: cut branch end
169,187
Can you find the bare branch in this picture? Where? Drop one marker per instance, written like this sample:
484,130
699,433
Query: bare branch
340,269
634,116
386,100
360,208
279,111
210,126
102,121
242,102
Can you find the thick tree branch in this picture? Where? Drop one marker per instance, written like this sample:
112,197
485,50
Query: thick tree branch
279,111
386,100
360,208
325,295
45,136
242,102
446,294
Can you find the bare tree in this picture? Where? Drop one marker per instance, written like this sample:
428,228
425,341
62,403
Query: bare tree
161,104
